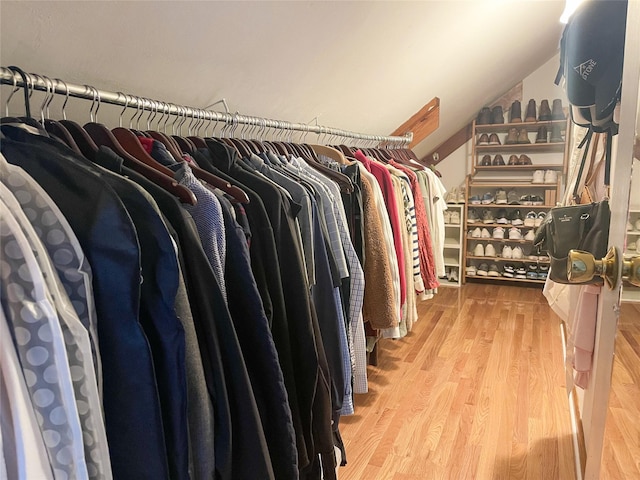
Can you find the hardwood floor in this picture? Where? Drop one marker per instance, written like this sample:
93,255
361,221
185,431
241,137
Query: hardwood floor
477,391
621,455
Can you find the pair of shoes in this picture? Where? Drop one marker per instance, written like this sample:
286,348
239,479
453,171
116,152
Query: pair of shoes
488,116
483,270
512,252
530,219
540,218
501,197
516,136
452,217
479,233
455,195
501,217
470,270
531,200
521,272
452,274
508,270
498,233
472,215
481,251
546,114
519,160
487,217
496,162
494,270
516,218
545,176
542,135
543,271
485,139
515,233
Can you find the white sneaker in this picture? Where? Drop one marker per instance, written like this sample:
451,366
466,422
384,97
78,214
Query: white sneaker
507,252
447,216
479,250
485,233
489,251
475,233
460,199
455,217
517,253
530,219
550,176
538,176
498,232
629,226
515,234
454,275
471,271
531,235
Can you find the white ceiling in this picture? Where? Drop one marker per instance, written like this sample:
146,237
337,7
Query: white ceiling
361,66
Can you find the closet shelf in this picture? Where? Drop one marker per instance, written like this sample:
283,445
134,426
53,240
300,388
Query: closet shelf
505,279
522,147
530,126
512,260
506,168
501,205
499,240
510,184
503,225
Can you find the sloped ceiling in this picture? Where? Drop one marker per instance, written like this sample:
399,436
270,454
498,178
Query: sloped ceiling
361,66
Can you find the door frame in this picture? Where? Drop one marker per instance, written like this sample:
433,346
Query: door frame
596,395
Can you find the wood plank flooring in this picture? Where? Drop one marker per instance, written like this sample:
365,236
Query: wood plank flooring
476,391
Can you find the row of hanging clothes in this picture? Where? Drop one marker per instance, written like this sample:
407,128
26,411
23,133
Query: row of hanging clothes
179,307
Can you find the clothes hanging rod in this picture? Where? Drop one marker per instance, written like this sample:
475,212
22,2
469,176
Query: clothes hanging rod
57,86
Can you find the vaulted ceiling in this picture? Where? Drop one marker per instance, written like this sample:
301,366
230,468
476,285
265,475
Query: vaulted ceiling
361,66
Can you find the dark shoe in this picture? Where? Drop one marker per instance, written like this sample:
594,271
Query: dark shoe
541,136
494,140
497,161
523,136
515,115
483,140
556,136
545,112
524,160
484,117
496,115
486,161
512,137
531,111
557,113
513,160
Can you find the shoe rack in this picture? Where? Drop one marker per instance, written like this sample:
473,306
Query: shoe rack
454,228
631,293
522,180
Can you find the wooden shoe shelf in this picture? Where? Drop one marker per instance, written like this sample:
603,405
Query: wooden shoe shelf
519,178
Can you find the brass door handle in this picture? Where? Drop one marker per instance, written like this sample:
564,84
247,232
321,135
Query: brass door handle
582,267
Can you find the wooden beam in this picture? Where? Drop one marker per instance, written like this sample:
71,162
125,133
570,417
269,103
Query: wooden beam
422,123
445,149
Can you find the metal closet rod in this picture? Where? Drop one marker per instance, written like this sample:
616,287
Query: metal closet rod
39,82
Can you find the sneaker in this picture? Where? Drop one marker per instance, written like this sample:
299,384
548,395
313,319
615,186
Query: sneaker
638,245
507,252
515,233
488,198
494,140
497,161
475,200
538,176
521,273
501,197
540,218
530,219
485,233
483,270
531,275
460,196
478,251
498,232
637,224
508,270
487,217
447,216
489,250
483,140
530,236
454,275
486,161
501,216
470,270
472,216
494,271
629,226
517,253
543,271
455,217
516,218
513,198
526,200
550,176
537,200
451,196
475,233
